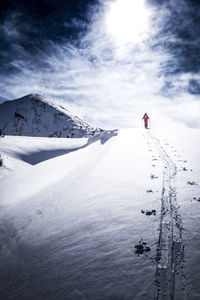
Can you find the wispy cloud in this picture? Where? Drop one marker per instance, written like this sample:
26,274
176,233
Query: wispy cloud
109,84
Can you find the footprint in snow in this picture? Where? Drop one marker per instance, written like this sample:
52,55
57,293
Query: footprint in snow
197,198
192,183
149,191
153,176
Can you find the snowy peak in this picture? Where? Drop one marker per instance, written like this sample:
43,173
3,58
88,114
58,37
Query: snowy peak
35,115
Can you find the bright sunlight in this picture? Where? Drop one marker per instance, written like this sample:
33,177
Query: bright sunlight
128,21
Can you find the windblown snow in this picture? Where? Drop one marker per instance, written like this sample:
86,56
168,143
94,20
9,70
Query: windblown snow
115,216
35,115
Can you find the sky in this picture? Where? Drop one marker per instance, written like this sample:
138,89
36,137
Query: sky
107,61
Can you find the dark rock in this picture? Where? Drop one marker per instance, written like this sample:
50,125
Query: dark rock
19,116
139,246
148,213
147,249
142,247
139,249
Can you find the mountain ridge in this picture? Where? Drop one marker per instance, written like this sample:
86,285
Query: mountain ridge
36,115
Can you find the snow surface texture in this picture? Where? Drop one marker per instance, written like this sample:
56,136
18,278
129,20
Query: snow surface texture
70,224
35,115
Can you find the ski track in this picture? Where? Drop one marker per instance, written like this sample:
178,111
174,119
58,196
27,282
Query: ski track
169,277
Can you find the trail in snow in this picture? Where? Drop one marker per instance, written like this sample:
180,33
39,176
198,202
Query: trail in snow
72,235
170,278
69,225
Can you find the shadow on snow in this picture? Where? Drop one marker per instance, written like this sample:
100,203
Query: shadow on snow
35,158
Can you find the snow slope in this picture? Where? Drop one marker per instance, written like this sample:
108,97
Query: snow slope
21,152
70,224
35,115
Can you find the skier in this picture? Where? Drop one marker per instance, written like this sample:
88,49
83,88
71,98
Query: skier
145,118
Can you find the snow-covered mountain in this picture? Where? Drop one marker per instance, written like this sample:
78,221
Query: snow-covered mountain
2,99
35,115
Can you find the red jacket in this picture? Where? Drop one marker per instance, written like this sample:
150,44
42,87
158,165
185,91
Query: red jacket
145,118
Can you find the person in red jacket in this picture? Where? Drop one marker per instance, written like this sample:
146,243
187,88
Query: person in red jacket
145,118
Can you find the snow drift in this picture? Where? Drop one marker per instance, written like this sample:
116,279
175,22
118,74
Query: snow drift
81,225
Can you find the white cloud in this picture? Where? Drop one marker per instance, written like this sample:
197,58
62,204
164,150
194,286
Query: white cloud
108,85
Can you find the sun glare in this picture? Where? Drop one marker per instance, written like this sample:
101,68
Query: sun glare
127,21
